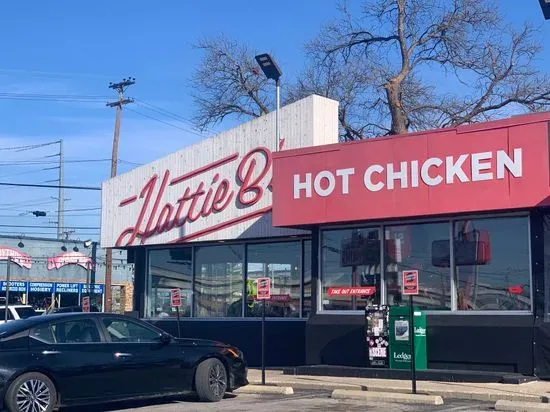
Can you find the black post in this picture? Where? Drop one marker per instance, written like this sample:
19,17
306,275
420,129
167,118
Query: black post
411,337
179,324
263,341
6,308
91,285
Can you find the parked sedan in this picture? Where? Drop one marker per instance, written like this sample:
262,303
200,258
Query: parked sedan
86,358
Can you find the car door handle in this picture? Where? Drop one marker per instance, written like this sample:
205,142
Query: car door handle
50,352
122,355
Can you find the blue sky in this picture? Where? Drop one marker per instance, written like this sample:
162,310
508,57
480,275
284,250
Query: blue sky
77,48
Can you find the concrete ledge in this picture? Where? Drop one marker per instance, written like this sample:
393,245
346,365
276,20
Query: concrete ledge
317,385
266,389
388,397
504,405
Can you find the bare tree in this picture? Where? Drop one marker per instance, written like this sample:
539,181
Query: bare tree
228,82
417,54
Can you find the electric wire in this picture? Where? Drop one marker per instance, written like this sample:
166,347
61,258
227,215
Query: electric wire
164,122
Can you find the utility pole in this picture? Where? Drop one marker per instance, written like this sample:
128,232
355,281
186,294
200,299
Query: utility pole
120,88
61,199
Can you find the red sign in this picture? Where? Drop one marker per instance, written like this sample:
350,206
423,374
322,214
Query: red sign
410,282
16,256
481,167
352,291
86,304
263,289
198,201
175,298
69,258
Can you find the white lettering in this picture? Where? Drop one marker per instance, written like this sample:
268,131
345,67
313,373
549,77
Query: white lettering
515,167
414,173
478,166
367,178
400,175
345,174
306,185
425,171
455,169
329,177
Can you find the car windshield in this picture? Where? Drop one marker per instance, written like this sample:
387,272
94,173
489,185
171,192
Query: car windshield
25,312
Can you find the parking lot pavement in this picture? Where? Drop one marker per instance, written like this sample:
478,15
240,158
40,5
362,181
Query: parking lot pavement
301,400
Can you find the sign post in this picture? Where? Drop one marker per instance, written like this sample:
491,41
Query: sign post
175,302
6,308
263,293
410,288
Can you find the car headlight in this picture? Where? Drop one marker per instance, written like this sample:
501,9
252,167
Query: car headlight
236,353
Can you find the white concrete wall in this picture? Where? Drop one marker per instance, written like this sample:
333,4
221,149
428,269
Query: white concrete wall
308,122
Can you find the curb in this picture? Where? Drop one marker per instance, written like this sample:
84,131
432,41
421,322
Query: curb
265,389
445,393
328,386
387,396
461,394
504,405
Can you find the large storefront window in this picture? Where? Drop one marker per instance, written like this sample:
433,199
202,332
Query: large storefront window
219,281
491,264
350,268
416,247
170,269
281,262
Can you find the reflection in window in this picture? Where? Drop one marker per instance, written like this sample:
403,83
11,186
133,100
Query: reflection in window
281,262
219,280
415,247
306,311
350,268
492,264
170,269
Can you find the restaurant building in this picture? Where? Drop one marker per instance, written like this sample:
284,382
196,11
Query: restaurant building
464,206
44,271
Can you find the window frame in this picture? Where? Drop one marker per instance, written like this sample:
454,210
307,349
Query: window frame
102,337
451,222
381,235
107,335
148,299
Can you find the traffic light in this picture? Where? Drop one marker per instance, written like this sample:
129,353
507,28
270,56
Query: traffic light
39,213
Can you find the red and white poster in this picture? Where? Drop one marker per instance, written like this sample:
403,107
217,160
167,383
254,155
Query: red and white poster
264,289
86,304
175,298
351,291
410,282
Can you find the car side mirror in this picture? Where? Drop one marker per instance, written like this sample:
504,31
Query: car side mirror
165,338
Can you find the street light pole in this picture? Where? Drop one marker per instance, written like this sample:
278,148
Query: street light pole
273,72
277,116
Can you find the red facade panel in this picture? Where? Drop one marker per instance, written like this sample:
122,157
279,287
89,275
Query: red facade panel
492,166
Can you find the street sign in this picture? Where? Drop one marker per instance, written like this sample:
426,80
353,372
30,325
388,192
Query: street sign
410,282
263,291
175,298
86,304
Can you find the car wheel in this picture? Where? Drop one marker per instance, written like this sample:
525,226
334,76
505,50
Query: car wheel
31,392
211,380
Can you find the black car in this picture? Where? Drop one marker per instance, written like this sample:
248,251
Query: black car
85,358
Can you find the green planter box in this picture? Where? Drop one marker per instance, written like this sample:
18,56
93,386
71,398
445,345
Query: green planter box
400,348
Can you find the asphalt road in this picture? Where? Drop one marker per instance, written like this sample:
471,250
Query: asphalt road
300,401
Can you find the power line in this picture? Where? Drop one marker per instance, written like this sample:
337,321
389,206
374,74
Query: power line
50,186
166,123
29,147
168,113
50,227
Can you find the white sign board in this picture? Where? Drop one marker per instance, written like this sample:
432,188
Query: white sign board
217,189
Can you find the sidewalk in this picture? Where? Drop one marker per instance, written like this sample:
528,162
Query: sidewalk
536,391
